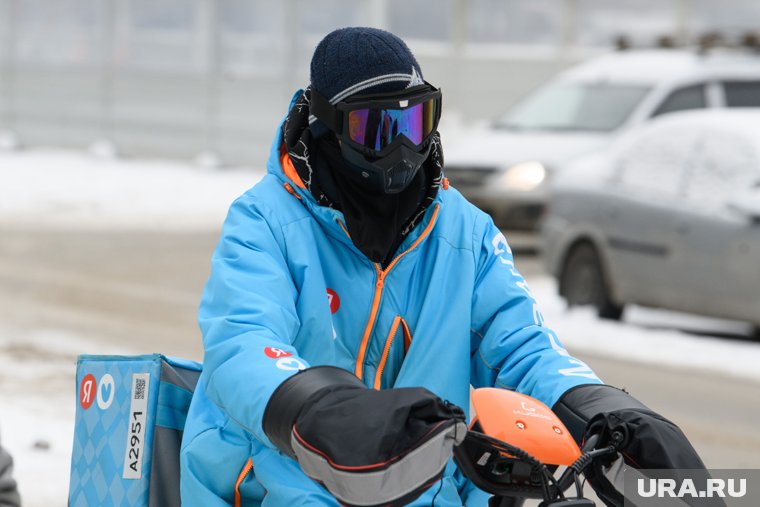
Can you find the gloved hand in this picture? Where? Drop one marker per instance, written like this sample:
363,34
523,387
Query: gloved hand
366,447
645,439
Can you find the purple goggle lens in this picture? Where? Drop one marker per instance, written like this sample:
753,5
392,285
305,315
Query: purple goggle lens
377,128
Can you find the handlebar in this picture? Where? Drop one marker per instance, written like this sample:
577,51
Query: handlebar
519,475
515,444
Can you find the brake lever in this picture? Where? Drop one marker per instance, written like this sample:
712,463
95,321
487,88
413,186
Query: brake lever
590,443
589,453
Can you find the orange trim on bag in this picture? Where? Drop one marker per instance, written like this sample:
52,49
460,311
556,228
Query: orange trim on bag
290,171
407,336
445,182
386,351
243,474
291,190
381,274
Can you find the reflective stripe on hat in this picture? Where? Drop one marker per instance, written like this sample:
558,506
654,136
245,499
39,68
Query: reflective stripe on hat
412,79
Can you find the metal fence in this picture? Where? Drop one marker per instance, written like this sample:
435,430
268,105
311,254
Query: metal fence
183,77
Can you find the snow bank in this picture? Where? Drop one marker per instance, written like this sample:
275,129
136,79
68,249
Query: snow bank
74,189
652,336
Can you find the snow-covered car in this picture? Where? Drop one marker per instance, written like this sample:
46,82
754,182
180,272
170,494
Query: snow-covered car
668,216
507,169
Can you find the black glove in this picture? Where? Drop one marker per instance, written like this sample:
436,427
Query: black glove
366,447
645,439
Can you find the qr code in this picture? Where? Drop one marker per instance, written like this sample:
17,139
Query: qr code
139,388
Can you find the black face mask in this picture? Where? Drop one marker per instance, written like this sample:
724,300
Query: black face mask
389,174
373,217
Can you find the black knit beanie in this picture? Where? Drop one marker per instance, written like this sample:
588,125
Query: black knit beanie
362,60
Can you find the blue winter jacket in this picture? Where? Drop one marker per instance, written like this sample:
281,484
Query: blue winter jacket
289,290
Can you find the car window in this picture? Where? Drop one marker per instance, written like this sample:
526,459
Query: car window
655,163
724,164
689,97
742,93
574,106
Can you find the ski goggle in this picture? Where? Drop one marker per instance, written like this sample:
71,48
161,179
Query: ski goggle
374,123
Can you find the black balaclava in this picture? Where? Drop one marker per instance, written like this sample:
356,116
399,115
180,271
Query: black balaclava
348,62
373,218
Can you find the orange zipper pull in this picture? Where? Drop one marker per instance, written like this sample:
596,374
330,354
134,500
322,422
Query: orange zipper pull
291,191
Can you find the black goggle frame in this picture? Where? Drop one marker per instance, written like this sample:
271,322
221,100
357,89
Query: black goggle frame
335,117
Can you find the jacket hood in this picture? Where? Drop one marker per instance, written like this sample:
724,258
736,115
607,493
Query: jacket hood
274,167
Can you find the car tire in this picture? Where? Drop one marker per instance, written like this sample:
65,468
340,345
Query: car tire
583,282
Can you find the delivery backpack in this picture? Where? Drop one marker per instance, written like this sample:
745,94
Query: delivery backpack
130,415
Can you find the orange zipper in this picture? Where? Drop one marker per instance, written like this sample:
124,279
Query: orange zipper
344,229
358,369
386,351
290,190
407,337
381,274
243,474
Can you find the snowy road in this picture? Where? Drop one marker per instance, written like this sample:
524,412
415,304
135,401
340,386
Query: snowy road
73,281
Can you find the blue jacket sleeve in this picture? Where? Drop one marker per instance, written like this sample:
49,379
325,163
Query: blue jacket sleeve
511,346
248,317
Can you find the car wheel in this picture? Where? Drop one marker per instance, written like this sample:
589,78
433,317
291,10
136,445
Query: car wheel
583,282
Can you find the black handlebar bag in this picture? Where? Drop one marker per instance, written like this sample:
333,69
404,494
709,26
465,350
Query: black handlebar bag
130,414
